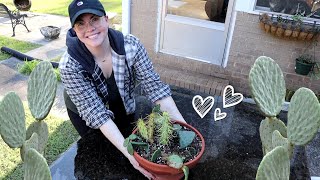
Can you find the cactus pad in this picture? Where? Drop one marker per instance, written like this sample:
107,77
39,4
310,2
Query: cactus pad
175,161
42,86
186,138
279,140
267,126
41,128
12,120
274,165
30,143
35,166
267,86
303,117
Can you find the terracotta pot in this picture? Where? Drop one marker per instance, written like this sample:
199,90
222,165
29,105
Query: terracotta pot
302,36
287,33
295,33
262,25
164,172
310,36
267,28
280,32
273,29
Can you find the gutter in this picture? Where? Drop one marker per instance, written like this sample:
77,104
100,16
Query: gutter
126,17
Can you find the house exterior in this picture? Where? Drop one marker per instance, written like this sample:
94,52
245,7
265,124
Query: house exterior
205,55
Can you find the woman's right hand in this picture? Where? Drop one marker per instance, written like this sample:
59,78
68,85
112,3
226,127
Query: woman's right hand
136,165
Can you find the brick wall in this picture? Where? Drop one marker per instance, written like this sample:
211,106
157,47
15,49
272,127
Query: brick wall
248,43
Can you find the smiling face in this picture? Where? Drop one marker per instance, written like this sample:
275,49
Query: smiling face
91,29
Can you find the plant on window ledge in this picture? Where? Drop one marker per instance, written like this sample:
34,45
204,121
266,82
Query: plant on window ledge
289,27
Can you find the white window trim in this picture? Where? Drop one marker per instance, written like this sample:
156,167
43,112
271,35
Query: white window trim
259,11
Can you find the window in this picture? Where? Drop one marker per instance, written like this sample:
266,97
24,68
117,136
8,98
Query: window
310,8
213,10
195,29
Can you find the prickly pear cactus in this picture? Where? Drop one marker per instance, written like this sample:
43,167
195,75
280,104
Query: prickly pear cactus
12,120
186,138
274,165
267,86
42,86
267,126
41,128
303,117
30,143
279,140
35,166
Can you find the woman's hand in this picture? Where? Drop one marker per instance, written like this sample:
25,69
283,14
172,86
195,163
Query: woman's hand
136,165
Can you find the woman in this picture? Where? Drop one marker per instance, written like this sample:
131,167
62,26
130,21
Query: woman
99,72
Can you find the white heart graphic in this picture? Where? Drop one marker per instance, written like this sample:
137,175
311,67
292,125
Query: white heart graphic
202,107
218,115
230,98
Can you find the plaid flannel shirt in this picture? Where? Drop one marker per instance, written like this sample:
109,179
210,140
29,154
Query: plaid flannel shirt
85,94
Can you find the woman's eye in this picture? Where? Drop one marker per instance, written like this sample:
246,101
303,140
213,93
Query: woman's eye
79,24
95,19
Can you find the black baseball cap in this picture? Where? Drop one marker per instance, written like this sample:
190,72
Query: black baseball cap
78,7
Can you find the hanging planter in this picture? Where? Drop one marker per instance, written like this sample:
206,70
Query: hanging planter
288,27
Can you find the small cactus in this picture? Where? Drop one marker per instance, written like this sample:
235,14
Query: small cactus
274,165
12,120
166,129
42,86
142,128
151,126
35,166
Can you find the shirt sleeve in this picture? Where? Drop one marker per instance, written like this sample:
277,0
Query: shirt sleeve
146,75
83,94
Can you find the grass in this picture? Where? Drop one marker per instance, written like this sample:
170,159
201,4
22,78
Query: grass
28,66
17,45
60,7
61,135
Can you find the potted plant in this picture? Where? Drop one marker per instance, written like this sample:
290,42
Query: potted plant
304,64
164,147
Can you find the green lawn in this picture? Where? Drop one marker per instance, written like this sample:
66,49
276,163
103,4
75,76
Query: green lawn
20,46
61,135
60,7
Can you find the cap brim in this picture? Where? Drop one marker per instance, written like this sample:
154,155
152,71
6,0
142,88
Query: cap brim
83,11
